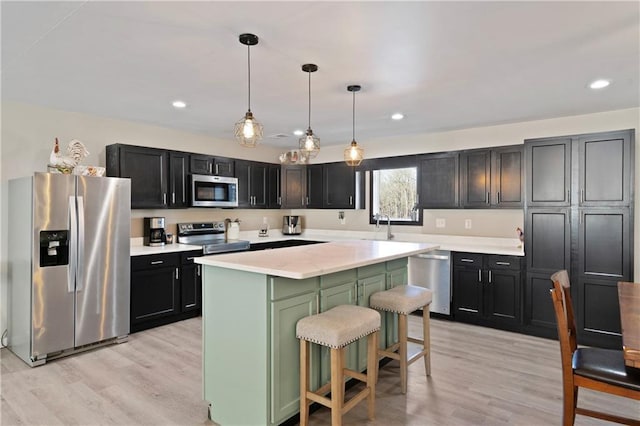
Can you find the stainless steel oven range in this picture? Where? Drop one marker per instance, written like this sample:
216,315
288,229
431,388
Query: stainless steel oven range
211,236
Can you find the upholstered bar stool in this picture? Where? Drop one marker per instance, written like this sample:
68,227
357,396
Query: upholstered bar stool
403,300
336,328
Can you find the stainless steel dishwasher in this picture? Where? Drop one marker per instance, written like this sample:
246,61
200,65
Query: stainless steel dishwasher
432,270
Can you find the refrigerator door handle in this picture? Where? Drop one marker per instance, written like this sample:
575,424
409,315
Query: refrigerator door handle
79,266
73,248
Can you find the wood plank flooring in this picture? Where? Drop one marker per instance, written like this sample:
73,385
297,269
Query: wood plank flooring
480,376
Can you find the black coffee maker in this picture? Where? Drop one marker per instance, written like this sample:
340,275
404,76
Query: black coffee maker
154,234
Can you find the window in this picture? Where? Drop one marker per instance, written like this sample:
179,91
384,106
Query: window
394,193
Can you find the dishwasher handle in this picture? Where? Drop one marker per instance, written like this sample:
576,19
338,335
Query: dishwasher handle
433,256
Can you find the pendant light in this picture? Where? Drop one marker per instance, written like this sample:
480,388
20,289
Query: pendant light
310,143
354,154
248,131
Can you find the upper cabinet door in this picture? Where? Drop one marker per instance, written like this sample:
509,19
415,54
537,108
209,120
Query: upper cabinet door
314,186
178,182
223,166
201,164
147,169
605,169
548,172
507,177
475,178
439,181
274,200
293,187
339,186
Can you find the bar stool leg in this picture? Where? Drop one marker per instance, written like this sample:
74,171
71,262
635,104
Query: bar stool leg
372,371
337,386
402,351
426,337
304,382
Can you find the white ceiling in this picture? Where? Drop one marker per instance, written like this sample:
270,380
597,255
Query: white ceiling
445,65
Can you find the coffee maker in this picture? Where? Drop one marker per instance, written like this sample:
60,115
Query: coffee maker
154,234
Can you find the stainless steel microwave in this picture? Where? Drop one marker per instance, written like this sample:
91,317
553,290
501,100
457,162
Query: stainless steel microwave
214,191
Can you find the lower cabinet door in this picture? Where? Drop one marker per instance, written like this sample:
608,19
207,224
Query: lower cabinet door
343,294
539,316
366,287
191,288
285,358
154,294
502,296
467,293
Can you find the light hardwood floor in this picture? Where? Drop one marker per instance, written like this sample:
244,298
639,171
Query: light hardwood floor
480,376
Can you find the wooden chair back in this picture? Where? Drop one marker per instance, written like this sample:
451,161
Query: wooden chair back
565,320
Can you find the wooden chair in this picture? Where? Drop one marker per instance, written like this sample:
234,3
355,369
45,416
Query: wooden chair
598,369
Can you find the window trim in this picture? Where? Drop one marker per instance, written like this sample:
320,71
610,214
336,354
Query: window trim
372,220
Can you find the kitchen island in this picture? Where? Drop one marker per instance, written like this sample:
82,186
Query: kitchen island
252,302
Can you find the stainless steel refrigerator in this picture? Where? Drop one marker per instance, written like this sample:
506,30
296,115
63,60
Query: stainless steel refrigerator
69,267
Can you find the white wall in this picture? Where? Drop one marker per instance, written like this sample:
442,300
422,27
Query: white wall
28,133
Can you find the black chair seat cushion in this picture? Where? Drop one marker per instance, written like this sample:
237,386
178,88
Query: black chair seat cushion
606,365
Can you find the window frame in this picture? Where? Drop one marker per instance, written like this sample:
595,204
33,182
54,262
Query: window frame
399,165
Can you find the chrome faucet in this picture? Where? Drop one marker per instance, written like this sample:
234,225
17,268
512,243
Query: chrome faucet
377,217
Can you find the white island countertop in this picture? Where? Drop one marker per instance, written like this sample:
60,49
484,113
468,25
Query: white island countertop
316,259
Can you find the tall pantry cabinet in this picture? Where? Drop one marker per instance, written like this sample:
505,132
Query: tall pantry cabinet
579,217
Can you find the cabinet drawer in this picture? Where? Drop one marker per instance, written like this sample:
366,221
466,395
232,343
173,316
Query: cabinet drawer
154,261
280,288
503,262
468,259
186,258
338,278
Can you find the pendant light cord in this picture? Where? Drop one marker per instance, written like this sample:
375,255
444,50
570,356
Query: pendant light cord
249,79
354,117
309,100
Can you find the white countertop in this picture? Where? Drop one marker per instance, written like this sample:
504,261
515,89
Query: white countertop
316,259
138,249
486,245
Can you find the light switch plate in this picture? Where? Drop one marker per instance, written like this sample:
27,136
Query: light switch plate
467,224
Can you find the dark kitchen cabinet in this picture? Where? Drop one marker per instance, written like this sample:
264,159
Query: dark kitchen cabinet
475,178
252,184
164,288
178,179
507,177
155,290
274,195
339,185
579,217
439,180
314,197
487,289
604,238
294,183
548,172
191,282
605,169
209,165
148,170
492,177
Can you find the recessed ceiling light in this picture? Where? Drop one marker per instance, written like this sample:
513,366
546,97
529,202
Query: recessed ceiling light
397,116
599,84
179,104
298,132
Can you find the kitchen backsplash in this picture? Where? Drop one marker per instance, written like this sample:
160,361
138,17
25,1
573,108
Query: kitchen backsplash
498,223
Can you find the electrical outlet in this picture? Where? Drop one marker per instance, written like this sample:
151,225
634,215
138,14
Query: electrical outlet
467,224
440,223
341,218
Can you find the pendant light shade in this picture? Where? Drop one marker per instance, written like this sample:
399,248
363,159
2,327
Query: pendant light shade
248,131
354,154
309,143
